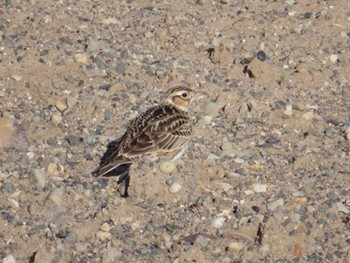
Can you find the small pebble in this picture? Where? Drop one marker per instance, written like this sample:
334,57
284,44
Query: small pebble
61,105
273,205
81,58
218,222
333,58
264,249
261,55
70,239
56,118
40,177
111,255
167,167
235,247
9,259
308,115
260,188
56,196
175,188
33,209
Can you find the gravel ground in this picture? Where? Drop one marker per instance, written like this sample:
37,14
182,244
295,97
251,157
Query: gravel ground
266,177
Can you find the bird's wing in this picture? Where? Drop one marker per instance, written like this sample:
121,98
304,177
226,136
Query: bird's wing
165,131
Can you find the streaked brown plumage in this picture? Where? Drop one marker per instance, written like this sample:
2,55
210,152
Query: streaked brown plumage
163,129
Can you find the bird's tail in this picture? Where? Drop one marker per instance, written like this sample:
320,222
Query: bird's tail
107,167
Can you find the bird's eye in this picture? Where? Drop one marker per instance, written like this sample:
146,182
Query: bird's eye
184,95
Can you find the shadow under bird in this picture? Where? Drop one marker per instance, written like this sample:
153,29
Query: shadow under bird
163,130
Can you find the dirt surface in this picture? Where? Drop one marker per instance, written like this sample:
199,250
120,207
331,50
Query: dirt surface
266,177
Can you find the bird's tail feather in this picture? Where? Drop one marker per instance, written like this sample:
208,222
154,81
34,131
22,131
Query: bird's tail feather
109,166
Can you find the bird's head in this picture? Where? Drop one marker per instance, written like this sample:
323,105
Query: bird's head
182,97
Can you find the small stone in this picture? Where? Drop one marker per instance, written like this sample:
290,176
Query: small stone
103,235
213,109
340,207
33,209
202,241
93,45
261,55
298,250
9,259
61,105
175,188
116,88
56,84
120,68
9,187
218,222
40,177
56,118
70,239
235,247
109,21
105,227
17,77
333,58
264,250
260,188
167,167
170,181
56,196
74,140
308,115
273,205
207,119
81,58
7,130
112,255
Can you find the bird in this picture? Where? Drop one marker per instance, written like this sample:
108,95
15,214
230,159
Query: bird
162,130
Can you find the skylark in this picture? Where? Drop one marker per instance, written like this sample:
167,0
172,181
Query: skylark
164,129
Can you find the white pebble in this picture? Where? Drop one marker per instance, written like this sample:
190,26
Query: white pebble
9,259
40,177
56,118
272,205
218,222
308,115
333,58
260,188
167,167
235,247
175,188
264,249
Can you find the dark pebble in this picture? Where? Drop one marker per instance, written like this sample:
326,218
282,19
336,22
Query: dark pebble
24,125
62,234
261,55
307,15
74,140
124,54
120,68
44,52
332,197
272,140
333,122
100,63
108,114
66,41
255,208
313,258
9,187
104,86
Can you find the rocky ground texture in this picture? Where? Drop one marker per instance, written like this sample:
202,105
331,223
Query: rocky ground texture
267,175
